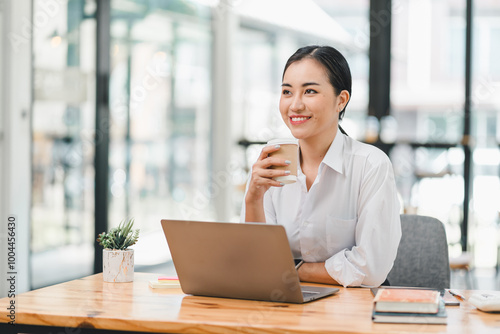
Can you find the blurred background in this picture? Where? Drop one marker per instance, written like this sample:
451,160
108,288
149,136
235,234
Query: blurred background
158,108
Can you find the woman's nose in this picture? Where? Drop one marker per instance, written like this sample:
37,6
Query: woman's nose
297,103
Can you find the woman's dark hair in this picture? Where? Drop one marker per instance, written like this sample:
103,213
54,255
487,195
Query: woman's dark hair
334,63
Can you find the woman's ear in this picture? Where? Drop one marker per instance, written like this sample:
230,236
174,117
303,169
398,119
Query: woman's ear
343,99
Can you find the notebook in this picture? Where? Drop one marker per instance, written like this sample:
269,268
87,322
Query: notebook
407,300
439,318
243,261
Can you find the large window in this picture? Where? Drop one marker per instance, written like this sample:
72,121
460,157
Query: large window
486,132
160,107
161,104
428,96
62,215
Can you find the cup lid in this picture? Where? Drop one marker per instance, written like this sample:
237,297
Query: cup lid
283,141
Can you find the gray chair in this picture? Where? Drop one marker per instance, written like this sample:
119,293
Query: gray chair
422,259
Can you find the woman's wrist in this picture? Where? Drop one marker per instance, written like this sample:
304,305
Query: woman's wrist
315,272
254,211
254,203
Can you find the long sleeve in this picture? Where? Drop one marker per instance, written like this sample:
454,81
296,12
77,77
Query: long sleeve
377,233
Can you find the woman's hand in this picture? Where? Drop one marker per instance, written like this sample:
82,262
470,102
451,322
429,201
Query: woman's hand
261,180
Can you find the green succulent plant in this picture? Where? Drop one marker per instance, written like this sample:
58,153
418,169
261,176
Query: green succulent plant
121,237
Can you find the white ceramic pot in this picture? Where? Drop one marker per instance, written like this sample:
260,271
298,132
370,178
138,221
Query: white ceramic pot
118,265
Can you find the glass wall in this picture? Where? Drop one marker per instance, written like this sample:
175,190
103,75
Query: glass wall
62,213
428,96
160,106
485,96
161,117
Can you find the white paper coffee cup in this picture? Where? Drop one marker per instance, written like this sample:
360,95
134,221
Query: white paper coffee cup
289,150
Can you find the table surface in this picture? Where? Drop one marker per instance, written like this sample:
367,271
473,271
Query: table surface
90,302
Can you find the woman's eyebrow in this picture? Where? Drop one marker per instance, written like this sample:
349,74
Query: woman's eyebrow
303,85
310,84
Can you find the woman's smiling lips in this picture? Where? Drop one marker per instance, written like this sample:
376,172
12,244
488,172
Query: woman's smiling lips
295,120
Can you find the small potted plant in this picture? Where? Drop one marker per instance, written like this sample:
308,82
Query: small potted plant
117,257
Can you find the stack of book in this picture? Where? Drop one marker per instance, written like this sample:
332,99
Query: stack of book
409,306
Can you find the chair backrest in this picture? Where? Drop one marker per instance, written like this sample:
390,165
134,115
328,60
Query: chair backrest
422,259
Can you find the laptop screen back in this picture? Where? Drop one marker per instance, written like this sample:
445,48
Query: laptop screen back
247,261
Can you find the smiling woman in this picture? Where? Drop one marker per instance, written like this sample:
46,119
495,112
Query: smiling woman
309,105
342,214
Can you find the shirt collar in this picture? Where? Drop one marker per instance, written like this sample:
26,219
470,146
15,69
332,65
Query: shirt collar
334,157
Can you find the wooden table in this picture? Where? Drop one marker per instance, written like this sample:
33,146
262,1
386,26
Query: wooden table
92,305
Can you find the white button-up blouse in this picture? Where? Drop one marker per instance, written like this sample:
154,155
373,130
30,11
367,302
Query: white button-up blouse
348,219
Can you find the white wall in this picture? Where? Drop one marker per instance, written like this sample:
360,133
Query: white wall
15,138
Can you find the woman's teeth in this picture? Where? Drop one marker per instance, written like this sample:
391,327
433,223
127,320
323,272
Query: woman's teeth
298,119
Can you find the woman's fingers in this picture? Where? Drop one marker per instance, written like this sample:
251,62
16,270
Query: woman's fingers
266,161
265,183
264,154
269,162
262,174
269,173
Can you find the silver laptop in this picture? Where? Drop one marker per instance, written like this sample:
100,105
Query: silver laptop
244,261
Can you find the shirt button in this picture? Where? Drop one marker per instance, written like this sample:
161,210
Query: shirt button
305,223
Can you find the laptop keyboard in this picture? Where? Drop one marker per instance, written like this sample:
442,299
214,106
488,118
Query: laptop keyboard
307,294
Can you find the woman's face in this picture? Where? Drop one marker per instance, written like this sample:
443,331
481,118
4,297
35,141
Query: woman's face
308,103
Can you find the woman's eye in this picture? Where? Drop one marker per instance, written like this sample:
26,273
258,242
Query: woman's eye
310,91
286,92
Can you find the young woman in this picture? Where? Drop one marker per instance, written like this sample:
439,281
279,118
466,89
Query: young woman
342,214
